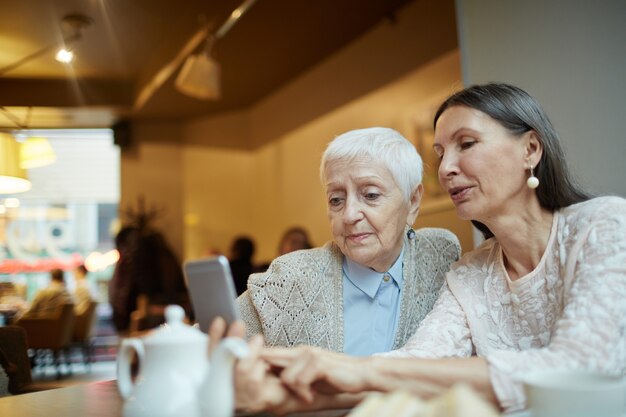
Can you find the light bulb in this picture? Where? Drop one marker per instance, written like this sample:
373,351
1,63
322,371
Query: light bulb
65,56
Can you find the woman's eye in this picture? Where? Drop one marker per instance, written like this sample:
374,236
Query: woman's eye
372,196
335,201
468,144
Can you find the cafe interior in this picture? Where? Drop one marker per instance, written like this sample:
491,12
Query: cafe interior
204,121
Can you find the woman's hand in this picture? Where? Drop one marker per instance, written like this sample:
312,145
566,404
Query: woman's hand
256,387
219,330
310,371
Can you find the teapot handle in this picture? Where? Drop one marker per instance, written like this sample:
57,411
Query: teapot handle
124,356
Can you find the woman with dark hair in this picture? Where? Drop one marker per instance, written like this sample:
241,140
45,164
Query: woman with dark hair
519,113
241,266
148,273
546,289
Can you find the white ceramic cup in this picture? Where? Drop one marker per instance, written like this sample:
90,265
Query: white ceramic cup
575,394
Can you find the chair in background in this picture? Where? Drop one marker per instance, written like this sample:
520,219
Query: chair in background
83,332
14,348
52,335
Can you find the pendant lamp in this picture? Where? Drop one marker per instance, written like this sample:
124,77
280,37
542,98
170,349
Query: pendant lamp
36,152
200,77
13,177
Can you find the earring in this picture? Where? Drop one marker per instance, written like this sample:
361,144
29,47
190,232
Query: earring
410,233
532,182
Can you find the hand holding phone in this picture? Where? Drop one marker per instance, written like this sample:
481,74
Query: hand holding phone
212,290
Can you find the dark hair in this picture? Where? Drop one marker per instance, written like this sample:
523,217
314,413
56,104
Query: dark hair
519,113
124,237
57,275
243,248
82,269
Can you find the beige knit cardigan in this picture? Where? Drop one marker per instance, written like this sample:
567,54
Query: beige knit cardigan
299,300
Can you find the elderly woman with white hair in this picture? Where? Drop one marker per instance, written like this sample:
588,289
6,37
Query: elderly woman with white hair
367,290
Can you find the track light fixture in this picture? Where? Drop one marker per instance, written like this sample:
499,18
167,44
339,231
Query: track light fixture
72,27
199,76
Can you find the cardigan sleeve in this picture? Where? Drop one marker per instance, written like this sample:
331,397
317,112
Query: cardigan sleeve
249,315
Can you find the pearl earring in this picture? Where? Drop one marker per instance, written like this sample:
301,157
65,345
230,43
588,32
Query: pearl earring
532,182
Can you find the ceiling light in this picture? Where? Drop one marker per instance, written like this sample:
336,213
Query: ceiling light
11,202
72,27
36,152
13,177
64,56
200,76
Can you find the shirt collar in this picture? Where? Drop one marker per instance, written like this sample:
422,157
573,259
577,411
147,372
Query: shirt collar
368,280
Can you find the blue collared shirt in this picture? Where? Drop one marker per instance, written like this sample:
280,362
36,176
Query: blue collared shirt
371,307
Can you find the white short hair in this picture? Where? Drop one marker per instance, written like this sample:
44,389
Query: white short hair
381,144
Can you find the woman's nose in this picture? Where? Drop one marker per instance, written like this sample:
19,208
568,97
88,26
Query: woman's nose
352,211
448,167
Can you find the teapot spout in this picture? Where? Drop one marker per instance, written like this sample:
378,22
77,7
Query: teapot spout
216,396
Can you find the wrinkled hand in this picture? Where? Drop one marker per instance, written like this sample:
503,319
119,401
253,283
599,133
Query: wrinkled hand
310,371
256,387
218,331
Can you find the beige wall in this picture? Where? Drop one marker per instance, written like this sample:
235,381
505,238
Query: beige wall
263,192
420,32
152,169
210,195
260,175
570,56
216,196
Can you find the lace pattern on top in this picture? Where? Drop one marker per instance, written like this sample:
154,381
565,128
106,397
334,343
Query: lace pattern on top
567,313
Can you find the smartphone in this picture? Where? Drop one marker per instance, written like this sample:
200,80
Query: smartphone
212,290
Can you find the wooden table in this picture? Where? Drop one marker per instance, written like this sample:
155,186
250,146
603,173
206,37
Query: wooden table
96,399
90,400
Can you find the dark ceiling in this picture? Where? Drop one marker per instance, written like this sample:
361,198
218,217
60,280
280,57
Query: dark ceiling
131,40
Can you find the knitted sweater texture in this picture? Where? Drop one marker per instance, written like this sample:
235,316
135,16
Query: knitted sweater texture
299,300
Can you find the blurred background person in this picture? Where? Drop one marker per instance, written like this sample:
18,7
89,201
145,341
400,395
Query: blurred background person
148,276
122,289
241,266
12,302
295,238
50,299
83,295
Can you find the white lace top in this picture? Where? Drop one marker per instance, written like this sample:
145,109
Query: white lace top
570,312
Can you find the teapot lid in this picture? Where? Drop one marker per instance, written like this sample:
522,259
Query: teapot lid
174,331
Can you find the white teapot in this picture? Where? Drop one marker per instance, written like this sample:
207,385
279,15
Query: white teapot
174,376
